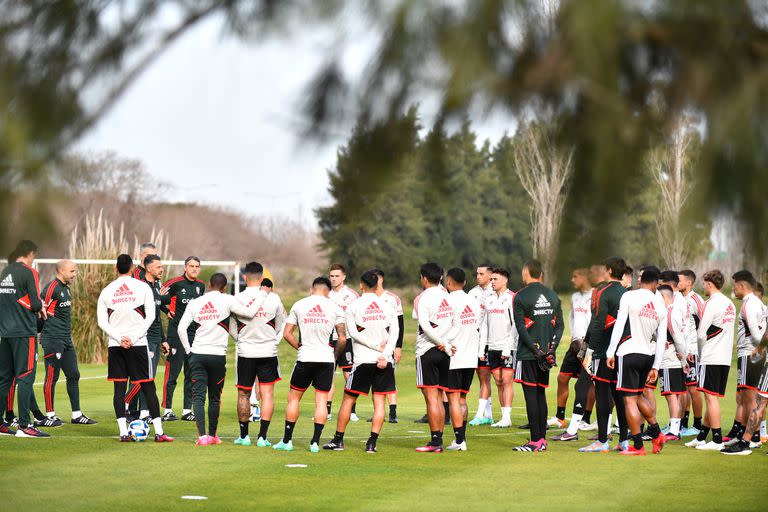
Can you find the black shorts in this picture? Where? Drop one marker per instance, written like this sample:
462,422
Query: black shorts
460,380
367,377
692,377
528,373
713,378
571,365
483,363
632,372
432,369
762,387
602,372
55,345
346,359
495,361
129,363
748,373
671,381
319,375
266,369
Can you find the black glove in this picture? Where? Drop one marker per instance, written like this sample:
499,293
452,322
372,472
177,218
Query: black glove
541,359
575,347
551,361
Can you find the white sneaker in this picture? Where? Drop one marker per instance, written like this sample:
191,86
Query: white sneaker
711,446
556,422
587,427
458,447
503,423
328,418
353,417
754,445
695,443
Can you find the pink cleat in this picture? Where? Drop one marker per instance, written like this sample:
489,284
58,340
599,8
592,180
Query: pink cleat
203,441
214,440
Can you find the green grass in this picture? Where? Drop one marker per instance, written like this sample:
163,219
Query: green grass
85,468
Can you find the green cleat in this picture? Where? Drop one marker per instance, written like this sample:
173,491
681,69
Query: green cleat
243,441
314,448
486,421
263,443
475,422
285,447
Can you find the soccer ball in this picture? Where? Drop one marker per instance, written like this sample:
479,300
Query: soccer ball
139,430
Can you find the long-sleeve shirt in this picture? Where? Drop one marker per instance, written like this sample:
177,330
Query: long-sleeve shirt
678,314
497,327
641,314
605,307
716,330
258,336
433,314
397,304
581,313
343,297
317,318
57,301
181,291
371,321
126,307
538,317
465,330
211,313
751,325
19,301
695,309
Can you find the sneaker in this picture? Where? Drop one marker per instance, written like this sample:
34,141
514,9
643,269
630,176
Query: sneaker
755,445
215,439
689,431
393,418
370,447
623,445
354,417
658,443
255,413
672,437
727,438
647,437
475,422
83,420
190,416
203,441
631,450
565,436
263,443
163,438
487,420
430,448
732,441
556,422
711,446
596,437
337,446
457,447
530,446
284,447
695,443
7,430
524,426
328,418
31,432
15,422
503,423
596,447
243,441
740,448
127,439
147,420
423,419
49,421
665,430
169,416
314,448
587,427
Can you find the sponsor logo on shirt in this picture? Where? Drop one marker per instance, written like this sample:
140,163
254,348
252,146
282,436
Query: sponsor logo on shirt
729,315
7,285
648,311
122,294
65,304
444,311
316,315
207,313
373,313
468,316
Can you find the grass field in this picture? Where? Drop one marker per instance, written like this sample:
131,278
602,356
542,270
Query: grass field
86,468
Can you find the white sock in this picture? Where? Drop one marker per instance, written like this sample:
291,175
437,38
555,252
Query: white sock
186,411
506,414
488,408
167,411
143,413
76,414
482,404
51,414
674,426
573,426
610,424
158,424
122,424
763,432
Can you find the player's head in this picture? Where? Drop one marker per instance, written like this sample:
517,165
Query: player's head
455,279
597,274
321,286
153,266
192,267
628,277
380,277
254,273
484,274
671,278
145,250
687,279
369,281
713,281
431,274
743,283
218,282
337,274
648,267
66,270
124,264
667,293
614,268
759,291
267,285
499,279
649,279
580,279
533,271
25,251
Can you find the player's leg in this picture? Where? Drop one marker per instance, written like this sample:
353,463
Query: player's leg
174,362
143,401
118,401
581,390
602,377
6,386
10,414
634,419
245,376
141,372
198,374
291,416
267,392
457,419
484,397
342,420
72,373
52,365
322,379
379,411
435,415
563,379
353,414
187,414
25,364
392,399
508,383
217,372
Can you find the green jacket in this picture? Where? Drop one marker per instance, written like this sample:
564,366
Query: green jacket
58,302
155,334
19,301
538,317
605,309
180,292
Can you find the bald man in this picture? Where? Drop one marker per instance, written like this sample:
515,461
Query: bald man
56,339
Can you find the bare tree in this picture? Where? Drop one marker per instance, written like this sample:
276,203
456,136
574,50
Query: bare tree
545,172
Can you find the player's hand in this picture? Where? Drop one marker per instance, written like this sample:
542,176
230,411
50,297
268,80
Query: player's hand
381,362
452,350
690,358
165,348
164,290
398,354
653,375
686,368
611,362
382,345
43,313
679,356
440,347
126,342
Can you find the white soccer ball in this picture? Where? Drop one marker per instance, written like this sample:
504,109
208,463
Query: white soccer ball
139,430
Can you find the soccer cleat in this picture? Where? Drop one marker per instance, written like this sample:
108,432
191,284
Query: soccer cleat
647,436
31,431
665,430
263,443
127,439
565,436
631,450
243,441
255,413
354,417
430,448
596,437
6,430
423,419
754,445
524,426
587,427
457,447
370,447
689,431
487,420
337,446
732,441
203,441
596,447
658,443
328,418
169,416
314,448
163,438
214,439
284,447
393,418
711,446
190,416
15,422
475,421
672,437
740,448
503,423
146,419
49,421
623,445
83,420
695,443
530,446
556,422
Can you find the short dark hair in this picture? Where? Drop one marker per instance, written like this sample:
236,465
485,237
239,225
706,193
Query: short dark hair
253,268
534,267
649,276
690,274
670,276
457,275
124,264
432,271
745,276
615,266
149,259
218,281
501,271
370,279
191,258
650,267
760,289
628,270
23,248
486,265
321,281
378,272
267,282
337,266
715,277
665,288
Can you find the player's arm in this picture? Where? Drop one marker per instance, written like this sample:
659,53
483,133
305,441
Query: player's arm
596,330
661,340
363,336
245,310
31,286
707,317
290,326
394,336
102,316
424,313
518,321
280,316
676,322
753,318
400,330
559,326
453,333
341,331
233,327
618,331
184,323
571,316
483,332
149,312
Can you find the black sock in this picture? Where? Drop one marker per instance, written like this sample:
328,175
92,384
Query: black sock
9,415
740,433
329,405
38,414
684,420
374,437
654,430
560,413
459,433
338,437
704,432
244,429
734,429
318,432
447,409
354,408
263,428
638,441
587,416
437,438
717,435
393,409
288,434
697,423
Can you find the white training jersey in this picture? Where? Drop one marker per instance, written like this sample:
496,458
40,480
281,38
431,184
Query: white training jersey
716,330
394,301
433,315
497,327
258,336
370,322
126,307
646,314
677,318
581,314
211,313
465,330
697,304
692,321
317,317
481,294
342,298
751,325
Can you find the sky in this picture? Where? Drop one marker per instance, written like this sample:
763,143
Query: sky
218,119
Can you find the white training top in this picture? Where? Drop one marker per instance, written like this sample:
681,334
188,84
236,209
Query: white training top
465,330
317,317
211,312
716,330
497,328
258,336
433,314
691,336
394,301
581,314
126,307
647,315
751,325
370,322
481,294
677,319
342,298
